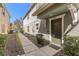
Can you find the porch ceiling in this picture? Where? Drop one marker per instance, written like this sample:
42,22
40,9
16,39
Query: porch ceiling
54,10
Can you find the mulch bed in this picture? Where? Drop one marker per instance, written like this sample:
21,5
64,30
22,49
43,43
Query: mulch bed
34,40
60,53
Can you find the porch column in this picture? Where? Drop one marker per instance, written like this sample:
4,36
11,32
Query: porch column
62,38
50,39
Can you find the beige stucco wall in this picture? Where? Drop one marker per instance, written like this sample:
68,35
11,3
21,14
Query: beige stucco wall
4,19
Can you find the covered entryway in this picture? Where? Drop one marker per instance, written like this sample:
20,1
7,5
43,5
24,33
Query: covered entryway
56,27
56,31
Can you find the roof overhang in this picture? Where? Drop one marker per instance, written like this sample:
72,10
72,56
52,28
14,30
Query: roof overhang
54,10
42,8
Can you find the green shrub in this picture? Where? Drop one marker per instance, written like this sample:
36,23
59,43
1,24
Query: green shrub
40,39
1,51
2,44
71,46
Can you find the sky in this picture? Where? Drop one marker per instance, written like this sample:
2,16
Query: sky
17,10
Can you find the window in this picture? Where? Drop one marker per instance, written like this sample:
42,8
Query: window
3,12
37,26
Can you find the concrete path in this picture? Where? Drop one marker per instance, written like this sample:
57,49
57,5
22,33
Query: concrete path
31,49
12,47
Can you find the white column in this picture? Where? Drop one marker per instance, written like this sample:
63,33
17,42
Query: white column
50,38
62,38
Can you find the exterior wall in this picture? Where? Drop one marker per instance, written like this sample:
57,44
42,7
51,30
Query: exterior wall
32,27
7,22
4,21
31,22
69,28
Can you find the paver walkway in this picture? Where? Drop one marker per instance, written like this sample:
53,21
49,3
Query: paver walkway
31,49
12,47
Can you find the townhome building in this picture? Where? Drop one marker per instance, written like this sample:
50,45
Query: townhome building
31,23
53,20
4,19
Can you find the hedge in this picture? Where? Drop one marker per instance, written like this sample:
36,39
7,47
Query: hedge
2,44
71,45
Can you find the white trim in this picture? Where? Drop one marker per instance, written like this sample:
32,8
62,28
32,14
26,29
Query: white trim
62,26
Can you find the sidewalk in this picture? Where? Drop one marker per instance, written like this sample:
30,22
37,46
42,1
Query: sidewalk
31,49
13,47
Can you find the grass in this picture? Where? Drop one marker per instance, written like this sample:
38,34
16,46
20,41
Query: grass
18,39
3,39
20,47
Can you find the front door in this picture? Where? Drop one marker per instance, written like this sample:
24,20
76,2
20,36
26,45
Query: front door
56,31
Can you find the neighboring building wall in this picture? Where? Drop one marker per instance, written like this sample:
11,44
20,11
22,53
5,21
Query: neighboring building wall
4,21
7,22
31,23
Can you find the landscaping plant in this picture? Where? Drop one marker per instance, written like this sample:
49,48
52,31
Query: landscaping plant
2,44
71,46
40,39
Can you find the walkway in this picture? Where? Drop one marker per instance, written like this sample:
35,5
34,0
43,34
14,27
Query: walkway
13,47
31,49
